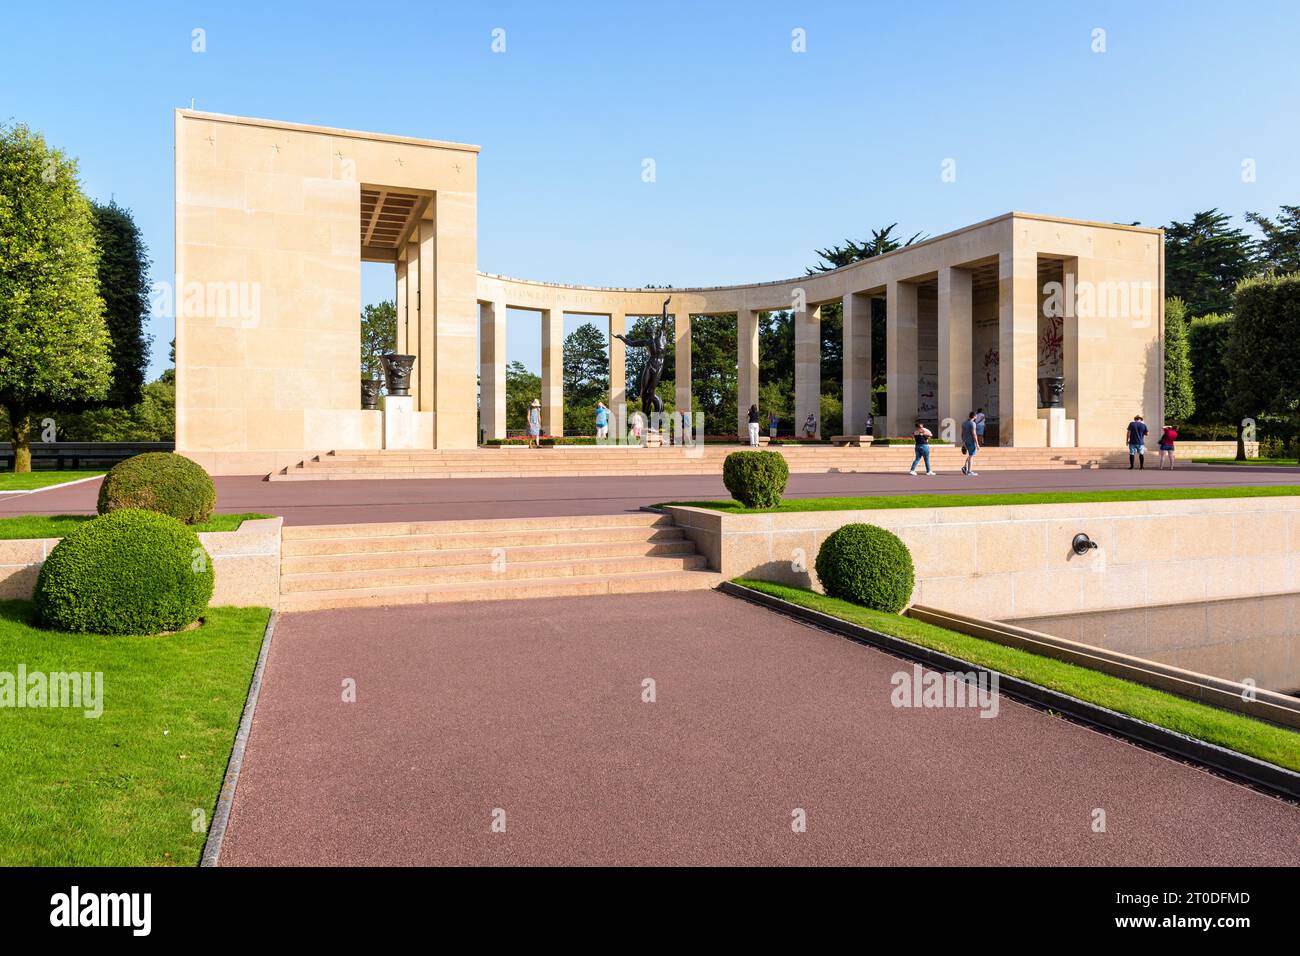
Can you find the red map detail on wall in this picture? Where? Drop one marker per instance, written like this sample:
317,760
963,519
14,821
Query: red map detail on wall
1051,346
991,366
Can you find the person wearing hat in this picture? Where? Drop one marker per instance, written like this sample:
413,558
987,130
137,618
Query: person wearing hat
535,422
1136,438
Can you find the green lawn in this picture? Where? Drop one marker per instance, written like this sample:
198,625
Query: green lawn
122,789
1225,728
56,526
41,479
974,500
1248,461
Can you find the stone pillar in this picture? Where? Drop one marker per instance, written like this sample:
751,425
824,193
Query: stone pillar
857,362
746,368
617,365
400,301
413,317
682,358
553,371
808,367
428,309
901,378
492,369
454,289
955,349
1018,422
1071,345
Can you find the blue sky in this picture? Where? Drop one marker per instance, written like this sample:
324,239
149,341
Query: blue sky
762,154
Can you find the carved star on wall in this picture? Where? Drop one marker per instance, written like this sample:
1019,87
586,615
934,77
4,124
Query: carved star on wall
212,139
456,167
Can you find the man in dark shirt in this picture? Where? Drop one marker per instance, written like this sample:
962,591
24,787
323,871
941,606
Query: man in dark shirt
1137,442
969,445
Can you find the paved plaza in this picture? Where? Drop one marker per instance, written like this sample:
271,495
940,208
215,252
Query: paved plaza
537,710
343,502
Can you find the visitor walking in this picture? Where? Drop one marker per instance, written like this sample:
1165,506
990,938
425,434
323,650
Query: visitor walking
922,436
602,422
772,423
970,445
981,421
535,423
871,424
753,426
1168,435
1136,437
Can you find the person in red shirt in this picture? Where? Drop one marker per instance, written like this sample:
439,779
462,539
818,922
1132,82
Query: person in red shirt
1168,435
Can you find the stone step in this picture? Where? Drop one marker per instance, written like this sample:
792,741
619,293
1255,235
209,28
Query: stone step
645,582
672,542
482,573
585,461
390,543
632,519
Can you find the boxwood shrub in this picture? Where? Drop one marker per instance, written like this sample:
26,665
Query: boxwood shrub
127,572
867,565
165,482
756,478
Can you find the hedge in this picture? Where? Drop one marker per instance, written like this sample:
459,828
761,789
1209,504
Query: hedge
756,478
165,482
127,572
867,565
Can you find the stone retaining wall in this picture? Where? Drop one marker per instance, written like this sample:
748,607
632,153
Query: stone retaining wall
1015,561
246,561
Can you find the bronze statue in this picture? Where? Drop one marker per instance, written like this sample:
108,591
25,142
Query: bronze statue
657,350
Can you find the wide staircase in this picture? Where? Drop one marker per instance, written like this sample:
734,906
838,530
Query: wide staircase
579,461
369,565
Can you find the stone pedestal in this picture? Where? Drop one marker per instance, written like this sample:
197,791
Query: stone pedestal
653,439
1058,430
404,427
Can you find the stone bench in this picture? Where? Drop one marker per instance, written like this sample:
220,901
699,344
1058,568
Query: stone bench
856,440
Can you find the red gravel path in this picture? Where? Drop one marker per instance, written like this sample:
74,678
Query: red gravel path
536,709
435,499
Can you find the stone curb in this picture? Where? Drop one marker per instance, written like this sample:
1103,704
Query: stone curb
1276,780
221,816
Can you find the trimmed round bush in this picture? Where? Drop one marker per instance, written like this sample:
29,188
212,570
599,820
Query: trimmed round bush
867,565
159,481
126,572
756,478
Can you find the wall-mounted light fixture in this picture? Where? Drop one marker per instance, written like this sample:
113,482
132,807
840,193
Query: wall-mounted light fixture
1082,544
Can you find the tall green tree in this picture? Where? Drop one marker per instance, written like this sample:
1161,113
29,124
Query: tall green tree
522,386
850,251
1264,351
713,371
1180,400
1207,337
586,377
1279,249
776,367
54,342
1204,261
124,287
378,337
